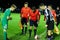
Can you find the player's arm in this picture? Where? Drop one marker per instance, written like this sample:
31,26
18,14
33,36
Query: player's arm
7,12
8,16
44,17
38,15
29,15
29,11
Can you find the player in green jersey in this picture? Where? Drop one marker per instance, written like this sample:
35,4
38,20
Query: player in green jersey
5,19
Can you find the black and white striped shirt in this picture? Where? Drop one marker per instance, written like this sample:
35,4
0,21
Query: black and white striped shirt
48,14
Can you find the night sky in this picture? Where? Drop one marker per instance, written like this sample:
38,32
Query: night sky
19,3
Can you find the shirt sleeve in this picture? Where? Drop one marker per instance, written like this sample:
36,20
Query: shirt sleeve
30,11
21,10
38,15
7,12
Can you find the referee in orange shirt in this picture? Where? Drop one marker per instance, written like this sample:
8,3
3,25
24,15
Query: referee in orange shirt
25,11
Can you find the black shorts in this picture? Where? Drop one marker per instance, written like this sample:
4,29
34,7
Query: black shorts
24,21
50,25
58,21
33,23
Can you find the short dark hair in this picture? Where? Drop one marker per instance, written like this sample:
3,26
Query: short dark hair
26,3
33,8
13,5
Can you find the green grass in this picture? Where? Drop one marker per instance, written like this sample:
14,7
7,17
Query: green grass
14,29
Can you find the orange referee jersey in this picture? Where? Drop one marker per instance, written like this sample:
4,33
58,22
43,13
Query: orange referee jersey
34,15
25,11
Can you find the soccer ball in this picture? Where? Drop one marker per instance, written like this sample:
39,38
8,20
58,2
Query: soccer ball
36,37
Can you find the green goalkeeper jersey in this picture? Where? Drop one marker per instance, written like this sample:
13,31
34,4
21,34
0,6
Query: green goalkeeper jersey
4,19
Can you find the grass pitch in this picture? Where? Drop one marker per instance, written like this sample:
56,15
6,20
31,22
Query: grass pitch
14,29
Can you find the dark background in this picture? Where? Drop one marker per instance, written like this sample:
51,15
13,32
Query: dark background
19,3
